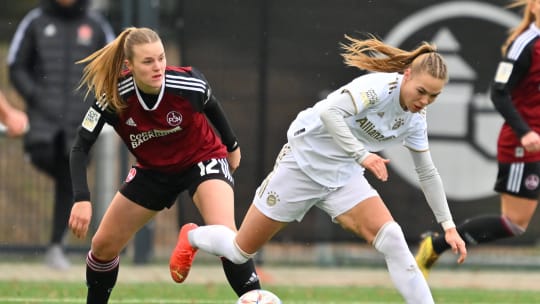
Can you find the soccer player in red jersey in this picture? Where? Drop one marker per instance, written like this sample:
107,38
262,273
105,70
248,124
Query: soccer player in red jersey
160,112
515,94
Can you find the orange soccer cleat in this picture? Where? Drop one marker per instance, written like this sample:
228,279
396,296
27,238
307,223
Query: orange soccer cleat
183,255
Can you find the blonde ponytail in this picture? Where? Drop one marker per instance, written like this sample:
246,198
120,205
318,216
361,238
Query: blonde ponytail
105,66
526,20
373,55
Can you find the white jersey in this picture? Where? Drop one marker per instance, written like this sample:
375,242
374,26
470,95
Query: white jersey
375,119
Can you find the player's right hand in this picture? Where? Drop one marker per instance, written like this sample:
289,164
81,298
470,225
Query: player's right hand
377,166
531,141
456,243
79,220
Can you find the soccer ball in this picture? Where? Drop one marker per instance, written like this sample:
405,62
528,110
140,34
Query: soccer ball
258,296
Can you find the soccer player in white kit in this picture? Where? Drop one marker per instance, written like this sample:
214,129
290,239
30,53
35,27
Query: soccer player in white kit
329,147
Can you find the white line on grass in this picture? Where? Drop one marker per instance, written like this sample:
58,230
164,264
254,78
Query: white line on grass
160,301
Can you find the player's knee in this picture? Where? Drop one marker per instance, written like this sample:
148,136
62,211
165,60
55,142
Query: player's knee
104,250
390,230
389,238
514,228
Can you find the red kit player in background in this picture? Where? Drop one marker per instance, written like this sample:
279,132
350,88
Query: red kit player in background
516,95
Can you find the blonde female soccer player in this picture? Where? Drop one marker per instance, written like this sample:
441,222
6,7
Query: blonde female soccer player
330,145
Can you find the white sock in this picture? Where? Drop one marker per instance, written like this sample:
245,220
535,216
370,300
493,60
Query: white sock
401,265
218,240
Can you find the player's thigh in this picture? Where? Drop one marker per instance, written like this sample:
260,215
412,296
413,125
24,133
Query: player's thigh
366,218
120,222
215,200
357,207
519,186
256,230
518,210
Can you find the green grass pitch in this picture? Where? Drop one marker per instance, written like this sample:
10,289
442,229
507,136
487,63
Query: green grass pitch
149,293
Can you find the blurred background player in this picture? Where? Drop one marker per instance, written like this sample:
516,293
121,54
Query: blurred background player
515,94
14,120
330,145
47,43
164,114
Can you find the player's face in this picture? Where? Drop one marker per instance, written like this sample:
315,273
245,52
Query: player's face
148,66
418,91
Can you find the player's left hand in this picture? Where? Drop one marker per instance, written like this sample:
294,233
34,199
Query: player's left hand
234,159
456,243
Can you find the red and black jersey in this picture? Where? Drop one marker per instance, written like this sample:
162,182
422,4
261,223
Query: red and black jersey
516,95
174,134
169,135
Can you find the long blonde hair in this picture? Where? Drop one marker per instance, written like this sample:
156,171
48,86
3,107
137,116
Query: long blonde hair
105,66
526,20
371,54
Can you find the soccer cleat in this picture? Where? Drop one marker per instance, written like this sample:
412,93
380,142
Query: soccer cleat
183,255
426,256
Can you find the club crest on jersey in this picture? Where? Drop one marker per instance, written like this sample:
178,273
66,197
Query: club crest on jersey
532,181
272,199
398,122
131,174
49,30
84,34
174,118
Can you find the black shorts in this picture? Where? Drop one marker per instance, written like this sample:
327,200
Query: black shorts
519,179
157,190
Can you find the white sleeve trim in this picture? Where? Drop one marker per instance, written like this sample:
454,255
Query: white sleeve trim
448,224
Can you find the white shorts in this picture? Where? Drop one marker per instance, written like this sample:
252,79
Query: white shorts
287,193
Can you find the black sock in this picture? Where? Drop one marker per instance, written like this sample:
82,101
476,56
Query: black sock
241,277
100,282
477,230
